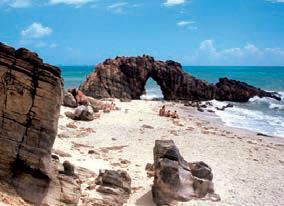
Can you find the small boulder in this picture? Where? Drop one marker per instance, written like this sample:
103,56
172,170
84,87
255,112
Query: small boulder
69,100
83,113
70,115
114,186
68,168
96,104
200,110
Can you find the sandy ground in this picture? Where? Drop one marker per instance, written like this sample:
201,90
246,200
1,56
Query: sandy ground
248,169
9,197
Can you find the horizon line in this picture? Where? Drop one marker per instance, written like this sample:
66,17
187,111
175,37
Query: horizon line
90,65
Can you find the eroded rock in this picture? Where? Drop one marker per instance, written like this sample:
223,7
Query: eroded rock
30,99
177,180
115,187
69,100
125,78
83,113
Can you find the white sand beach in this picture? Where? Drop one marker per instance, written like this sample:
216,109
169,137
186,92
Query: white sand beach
248,169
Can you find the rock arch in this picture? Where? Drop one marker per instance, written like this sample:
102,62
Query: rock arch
125,78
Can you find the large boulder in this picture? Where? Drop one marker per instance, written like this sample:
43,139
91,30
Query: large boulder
177,180
125,78
30,99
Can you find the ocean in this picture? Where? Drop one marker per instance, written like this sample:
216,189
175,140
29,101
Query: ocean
260,115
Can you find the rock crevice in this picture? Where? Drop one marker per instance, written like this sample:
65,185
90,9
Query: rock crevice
30,99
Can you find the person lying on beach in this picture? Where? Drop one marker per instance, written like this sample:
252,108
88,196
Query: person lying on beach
168,114
162,111
174,115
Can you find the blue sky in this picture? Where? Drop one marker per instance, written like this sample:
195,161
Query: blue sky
193,32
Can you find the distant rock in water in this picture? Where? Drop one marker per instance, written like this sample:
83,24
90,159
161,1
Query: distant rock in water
126,77
30,99
232,90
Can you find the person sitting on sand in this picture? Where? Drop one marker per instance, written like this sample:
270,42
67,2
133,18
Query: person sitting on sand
162,111
174,115
168,114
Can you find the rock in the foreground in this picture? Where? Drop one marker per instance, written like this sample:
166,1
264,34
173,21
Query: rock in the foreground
114,188
125,78
30,99
177,180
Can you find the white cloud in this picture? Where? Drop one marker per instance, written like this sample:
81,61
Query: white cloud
185,23
207,46
173,2
36,30
17,3
29,3
208,54
117,7
70,2
276,1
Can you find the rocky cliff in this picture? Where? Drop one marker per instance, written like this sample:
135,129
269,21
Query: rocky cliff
30,99
125,78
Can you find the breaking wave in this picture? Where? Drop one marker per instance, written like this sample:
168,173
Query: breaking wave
263,115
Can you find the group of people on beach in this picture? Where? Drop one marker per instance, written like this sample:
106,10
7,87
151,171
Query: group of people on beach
164,113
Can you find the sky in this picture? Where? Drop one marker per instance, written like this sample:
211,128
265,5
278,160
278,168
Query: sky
192,32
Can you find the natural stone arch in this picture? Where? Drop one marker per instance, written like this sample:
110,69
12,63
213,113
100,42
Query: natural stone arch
152,90
125,78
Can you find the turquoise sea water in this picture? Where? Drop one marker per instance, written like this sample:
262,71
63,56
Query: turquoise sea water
260,115
269,78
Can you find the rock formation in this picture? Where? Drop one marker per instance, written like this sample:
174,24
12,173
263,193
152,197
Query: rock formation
69,100
30,99
177,180
82,113
114,188
125,78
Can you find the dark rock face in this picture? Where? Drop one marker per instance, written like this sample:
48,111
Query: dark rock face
177,180
30,99
125,78
231,90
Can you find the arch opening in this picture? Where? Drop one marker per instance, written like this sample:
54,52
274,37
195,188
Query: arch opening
152,90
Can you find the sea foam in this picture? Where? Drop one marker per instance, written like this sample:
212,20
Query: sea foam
263,115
